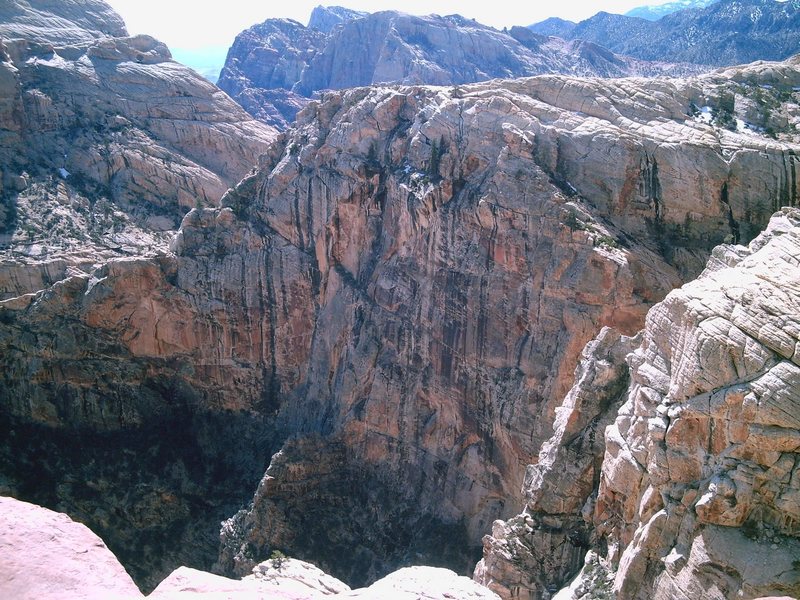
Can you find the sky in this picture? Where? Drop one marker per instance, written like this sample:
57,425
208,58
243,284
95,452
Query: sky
190,24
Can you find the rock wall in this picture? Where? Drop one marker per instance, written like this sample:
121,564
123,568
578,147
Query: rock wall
400,293
698,491
273,68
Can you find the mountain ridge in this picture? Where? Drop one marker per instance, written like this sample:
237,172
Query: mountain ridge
273,68
723,33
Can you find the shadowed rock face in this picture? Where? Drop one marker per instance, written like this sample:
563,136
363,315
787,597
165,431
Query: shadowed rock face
401,292
273,68
105,143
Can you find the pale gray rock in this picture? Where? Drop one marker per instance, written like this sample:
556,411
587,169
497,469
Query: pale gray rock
48,556
66,22
393,47
422,583
699,486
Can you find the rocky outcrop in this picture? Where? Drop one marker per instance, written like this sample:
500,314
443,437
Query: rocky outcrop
698,493
273,66
538,550
326,18
47,556
728,32
397,299
107,142
700,486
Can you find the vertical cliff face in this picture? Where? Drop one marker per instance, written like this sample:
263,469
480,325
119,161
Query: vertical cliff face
698,491
396,299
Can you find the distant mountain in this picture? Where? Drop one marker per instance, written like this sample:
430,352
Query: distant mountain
206,61
654,13
325,18
554,26
724,33
273,68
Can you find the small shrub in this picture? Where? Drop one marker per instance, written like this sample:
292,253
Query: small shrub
277,558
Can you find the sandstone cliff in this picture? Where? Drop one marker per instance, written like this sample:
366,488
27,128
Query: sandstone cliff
698,494
274,67
106,142
397,300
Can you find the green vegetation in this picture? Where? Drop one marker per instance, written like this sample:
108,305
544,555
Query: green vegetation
277,559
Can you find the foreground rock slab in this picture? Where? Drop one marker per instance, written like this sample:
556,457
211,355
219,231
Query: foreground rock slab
45,555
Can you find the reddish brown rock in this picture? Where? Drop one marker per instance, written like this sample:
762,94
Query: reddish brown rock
401,293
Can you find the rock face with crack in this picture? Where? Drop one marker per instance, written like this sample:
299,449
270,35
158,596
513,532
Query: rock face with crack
273,68
698,492
396,300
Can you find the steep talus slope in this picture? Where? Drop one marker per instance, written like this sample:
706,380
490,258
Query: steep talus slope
106,142
698,494
727,32
272,67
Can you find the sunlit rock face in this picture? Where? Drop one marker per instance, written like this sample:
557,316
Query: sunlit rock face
275,67
698,490
396,299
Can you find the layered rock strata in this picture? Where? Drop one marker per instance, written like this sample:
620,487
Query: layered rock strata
401,293
698,492
273,68
106,142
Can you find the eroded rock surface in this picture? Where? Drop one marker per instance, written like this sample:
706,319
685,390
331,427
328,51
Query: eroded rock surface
273,68
401,293
106,142
700,479
699,491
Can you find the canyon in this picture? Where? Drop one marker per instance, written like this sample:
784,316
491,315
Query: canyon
362,341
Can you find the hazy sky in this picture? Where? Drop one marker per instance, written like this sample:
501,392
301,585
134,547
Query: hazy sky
193,24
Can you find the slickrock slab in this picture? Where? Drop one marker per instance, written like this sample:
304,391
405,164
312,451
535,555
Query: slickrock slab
45,555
